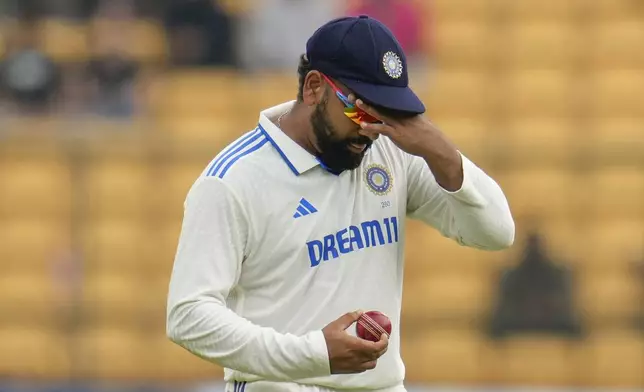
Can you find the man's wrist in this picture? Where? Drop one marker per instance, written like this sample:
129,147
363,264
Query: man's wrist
447,169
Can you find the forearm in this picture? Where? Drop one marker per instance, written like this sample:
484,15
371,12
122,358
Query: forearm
477,214
215,333
444,161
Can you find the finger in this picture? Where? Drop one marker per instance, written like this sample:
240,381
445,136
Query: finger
368,349
370,110
381,353
369,365
347,319
377,355
361,349
376,129
383,337
382,343
352,98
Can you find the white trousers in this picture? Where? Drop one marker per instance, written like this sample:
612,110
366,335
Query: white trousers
267,386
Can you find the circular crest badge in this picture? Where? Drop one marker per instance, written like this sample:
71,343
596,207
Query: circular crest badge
393,65
378,179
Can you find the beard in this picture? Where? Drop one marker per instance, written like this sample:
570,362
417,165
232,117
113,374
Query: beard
334,153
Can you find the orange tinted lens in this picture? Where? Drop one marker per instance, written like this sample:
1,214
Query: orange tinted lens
353,115
358,116
365,117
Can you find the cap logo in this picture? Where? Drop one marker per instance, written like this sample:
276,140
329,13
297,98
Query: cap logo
393,65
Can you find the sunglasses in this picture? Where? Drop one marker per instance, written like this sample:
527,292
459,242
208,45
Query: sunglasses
354,113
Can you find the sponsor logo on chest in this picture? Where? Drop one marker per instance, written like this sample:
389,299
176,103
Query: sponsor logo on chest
354,238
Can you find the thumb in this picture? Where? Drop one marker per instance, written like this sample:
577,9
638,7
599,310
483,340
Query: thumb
347,320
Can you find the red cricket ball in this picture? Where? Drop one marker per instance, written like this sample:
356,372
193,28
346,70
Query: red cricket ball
371,325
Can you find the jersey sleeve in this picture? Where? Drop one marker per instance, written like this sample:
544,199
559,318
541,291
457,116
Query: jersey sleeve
207,266
476,215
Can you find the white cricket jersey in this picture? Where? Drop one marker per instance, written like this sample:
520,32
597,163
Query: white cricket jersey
274,247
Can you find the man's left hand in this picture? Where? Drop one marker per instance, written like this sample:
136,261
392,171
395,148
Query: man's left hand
412,135
418,136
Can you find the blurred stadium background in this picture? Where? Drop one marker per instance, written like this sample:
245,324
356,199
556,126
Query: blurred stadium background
109,109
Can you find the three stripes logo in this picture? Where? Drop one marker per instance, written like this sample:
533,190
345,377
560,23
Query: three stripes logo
239,386
304,208
245,145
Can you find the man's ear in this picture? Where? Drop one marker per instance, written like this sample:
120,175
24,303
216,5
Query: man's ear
313,89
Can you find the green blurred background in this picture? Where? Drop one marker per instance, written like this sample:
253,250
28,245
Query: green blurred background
110,109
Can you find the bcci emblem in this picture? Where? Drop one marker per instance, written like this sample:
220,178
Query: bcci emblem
393,65
378,179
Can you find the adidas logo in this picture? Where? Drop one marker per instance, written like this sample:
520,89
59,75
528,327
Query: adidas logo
304,208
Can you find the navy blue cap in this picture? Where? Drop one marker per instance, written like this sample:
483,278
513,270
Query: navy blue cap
364,55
